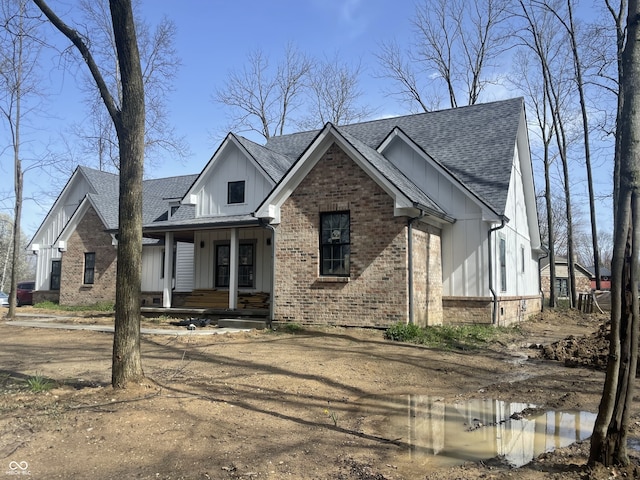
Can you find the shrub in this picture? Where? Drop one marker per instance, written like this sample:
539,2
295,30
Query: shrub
445,336
404,332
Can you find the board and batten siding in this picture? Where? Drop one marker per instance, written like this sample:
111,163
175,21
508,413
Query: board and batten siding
204,256
152,274
233,167
53,226
522,280
464,244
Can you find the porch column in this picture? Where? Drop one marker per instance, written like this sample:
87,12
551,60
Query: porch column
233,270
168,270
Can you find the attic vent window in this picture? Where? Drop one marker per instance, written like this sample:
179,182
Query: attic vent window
235,192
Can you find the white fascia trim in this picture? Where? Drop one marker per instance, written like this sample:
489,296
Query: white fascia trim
190,198
54,208
397,132
271,206
230,141
528,181
75,220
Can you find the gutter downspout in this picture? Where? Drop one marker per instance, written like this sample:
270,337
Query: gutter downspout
272,303
494,313
410,261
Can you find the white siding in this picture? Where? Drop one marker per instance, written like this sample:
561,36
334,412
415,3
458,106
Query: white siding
519,281
53,225
232,166
465,243
152,269
184,267
204,256
152,274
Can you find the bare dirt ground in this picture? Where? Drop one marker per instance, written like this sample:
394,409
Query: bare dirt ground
271,405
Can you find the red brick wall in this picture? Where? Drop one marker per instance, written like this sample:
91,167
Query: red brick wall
89,236
375,294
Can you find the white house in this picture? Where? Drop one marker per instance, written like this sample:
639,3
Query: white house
426,218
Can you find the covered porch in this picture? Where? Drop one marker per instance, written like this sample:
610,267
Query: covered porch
231,265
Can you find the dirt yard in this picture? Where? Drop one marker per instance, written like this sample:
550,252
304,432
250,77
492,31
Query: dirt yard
272,405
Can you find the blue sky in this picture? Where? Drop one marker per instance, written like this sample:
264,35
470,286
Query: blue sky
214,37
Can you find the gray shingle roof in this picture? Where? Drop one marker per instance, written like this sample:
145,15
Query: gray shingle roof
156,194
475,143
393,174
273,163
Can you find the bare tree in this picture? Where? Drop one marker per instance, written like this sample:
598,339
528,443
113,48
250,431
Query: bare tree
23,267
19,54
128,117
396,66
609,439
333,92
160,64
262,99
457,43
540,34
531,82
566,20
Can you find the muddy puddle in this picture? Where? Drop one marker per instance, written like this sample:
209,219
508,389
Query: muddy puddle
431,432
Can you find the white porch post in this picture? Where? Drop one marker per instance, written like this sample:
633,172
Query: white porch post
168,270
233,270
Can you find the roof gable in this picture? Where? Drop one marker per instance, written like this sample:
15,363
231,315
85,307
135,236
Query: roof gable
271,165
475,143
405,194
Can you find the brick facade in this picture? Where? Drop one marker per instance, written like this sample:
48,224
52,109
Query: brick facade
427,275
375,293
472,310
89,236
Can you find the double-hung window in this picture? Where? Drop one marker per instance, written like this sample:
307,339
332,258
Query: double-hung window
89,268
246,265
335,244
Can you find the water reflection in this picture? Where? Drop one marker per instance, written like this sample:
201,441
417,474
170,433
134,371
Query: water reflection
472,430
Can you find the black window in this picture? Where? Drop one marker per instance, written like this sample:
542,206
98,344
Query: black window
222,265
334,244
89,268
503,265
245,265
56,268
235,192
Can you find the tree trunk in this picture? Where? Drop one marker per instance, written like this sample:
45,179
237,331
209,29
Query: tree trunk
127,364
609,439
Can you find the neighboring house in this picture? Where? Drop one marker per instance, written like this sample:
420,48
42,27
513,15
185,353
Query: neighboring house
562,287
427,218
605,278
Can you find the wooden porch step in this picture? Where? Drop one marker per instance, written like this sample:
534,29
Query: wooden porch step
219,299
